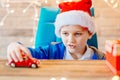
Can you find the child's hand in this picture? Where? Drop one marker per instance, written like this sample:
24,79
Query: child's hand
15,51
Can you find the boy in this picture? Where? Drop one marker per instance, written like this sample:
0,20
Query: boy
75,26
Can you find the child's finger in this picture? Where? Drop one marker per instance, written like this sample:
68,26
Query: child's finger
9,58
25,50
18,55
13,55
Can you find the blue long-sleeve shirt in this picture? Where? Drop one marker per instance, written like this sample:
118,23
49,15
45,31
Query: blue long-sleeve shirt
56,51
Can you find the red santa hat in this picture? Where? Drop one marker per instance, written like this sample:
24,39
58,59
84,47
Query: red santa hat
75,13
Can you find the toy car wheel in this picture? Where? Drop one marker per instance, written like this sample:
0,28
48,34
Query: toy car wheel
12,64
33,65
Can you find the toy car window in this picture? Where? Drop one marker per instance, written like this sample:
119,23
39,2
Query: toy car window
25,58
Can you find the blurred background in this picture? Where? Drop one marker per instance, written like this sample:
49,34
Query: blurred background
19,20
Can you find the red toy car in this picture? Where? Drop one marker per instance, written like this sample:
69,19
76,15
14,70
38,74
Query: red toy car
27,62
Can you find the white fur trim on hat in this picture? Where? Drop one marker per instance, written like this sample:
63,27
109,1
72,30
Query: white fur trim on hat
74,17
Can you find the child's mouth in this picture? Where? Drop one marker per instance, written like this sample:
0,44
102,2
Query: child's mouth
71,46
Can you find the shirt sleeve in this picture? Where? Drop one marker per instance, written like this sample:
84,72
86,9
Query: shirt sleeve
48,52
40,52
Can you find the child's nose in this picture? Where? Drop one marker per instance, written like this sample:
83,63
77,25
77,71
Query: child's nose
71,39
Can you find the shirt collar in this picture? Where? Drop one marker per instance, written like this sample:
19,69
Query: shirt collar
87,55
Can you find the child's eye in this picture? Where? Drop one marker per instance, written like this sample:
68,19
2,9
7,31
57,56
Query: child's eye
64,33
78,34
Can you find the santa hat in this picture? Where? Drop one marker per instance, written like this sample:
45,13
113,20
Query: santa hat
75,13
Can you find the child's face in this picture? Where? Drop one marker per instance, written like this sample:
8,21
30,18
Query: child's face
74,38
